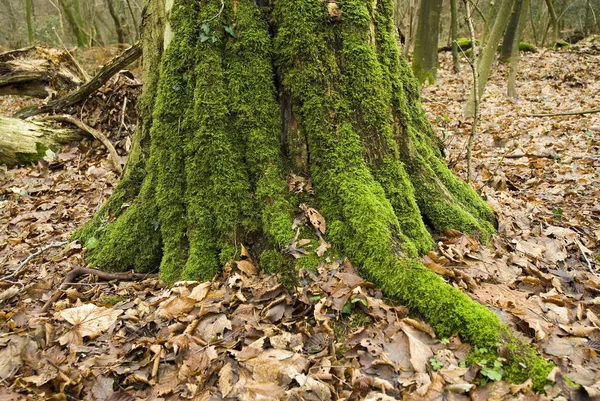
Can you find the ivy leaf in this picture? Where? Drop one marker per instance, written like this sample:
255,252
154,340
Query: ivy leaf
91,243
231,30
205,28
492,374
214,39
203,38
435,364
362,301
347,309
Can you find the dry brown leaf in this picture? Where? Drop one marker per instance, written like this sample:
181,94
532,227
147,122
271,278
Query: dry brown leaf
176,306
246,267
315,218
419,344
88,320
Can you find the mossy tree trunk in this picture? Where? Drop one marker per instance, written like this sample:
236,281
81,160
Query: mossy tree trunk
236,99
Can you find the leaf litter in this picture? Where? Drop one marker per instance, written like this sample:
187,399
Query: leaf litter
245,336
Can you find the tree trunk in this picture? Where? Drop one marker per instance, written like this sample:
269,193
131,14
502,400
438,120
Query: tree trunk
454,35
73,17
117,21
489,53
29,16
512,31
26,142
425,56
209,165
515,52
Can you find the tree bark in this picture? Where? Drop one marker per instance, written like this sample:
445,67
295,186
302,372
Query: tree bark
208,172
117,21
74,19
511,89
26,142
454,35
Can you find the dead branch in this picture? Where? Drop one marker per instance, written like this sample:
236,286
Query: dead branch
114,156
110,69
82,271
566,113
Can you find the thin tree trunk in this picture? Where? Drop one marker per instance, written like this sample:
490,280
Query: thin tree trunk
425,61
487,21
512,31
29,15
454,35
489,53
80,35
533,30
134,21
515,53
117,21
553,21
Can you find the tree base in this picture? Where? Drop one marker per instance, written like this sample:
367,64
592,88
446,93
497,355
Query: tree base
214,175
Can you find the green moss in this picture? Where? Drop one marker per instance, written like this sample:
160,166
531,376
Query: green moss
560,44
527,47
112,300
361,219
27,159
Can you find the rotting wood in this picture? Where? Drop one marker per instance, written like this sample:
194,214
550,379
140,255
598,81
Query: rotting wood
109,70
25,142
37,72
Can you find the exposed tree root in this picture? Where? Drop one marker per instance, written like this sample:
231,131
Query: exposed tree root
76,273
114,156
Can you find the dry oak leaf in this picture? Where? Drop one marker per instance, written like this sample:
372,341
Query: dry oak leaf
88,320
315,218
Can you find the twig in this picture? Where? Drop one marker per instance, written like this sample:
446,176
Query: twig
114,156
76,273
30,257
566,113
580,245
217,14
83,72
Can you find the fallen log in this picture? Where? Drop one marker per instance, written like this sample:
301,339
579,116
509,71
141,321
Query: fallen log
38,72
26,142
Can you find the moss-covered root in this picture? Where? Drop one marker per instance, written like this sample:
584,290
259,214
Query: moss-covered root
361,219
450,311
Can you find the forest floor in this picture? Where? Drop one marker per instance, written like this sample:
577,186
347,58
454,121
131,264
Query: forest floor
244,336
